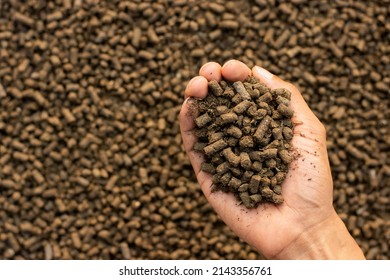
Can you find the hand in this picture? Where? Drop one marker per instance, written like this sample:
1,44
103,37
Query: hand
305,225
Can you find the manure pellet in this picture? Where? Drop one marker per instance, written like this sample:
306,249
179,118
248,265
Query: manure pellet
246,142
263,155
242,106
202,120
240,88
245,161
231,157
215,88
262,128
228,118
285,156
246,200
234,183
207,167
222,168
285,111
97,73
267,97
281,92
215,137
215,147
234,131
246,176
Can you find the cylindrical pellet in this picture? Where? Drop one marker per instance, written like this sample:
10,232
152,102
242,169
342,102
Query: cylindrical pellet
240,88
228,118
203,120
231,157
234,131
285,156
262,128
245,161
215,147
285,111
215,88
263,155
242,106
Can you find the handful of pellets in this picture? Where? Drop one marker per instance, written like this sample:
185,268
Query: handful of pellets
244,130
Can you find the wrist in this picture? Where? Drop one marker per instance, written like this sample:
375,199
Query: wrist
329,239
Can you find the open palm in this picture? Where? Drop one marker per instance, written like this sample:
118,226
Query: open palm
307,190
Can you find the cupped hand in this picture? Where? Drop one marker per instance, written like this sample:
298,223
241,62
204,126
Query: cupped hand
291,229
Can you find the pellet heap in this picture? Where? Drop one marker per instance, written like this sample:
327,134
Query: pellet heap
90,92
244,130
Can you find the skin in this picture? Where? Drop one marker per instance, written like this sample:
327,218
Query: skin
306,225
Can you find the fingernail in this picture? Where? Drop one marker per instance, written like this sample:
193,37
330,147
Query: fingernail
264,73
229,61
189,83
204,66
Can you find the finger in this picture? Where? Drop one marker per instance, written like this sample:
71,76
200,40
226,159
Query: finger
197,87
187,125
186,120
187,115
235,70
211,71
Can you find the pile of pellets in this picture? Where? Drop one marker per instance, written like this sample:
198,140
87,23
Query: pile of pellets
244,130
91,162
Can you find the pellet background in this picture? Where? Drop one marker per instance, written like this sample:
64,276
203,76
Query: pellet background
91,162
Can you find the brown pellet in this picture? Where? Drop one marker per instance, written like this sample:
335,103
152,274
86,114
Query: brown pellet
243,188
76,240
240,88
125,250
267,193
234,131
256,198
68,115
3,93
48,251
202,120
254,184
285,93
207,167
285,156
24,19
266,97
215,147
38,176
287,133
199,146
215,136
245,161
262,129
111,182
228,118
242,106
247,201
93,59
231,157
215,88
234,183
285,111
263,155
223,167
